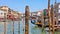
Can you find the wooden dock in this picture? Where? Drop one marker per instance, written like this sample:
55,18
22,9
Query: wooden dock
57,26
37,23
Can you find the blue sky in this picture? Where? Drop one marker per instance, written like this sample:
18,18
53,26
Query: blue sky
19,5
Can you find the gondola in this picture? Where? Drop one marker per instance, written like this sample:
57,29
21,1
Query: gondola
36,21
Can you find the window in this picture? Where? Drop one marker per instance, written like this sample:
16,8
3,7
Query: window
59,11
1,13
59,5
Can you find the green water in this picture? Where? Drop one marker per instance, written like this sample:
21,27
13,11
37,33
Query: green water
33,29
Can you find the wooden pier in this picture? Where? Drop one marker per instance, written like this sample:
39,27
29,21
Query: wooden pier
38,23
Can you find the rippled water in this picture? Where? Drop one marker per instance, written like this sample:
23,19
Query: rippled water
33,29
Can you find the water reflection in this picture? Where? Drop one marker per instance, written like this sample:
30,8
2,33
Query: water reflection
33,29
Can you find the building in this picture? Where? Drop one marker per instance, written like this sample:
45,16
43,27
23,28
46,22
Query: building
57,10
13,14
45,12
8,13
37,13
3,11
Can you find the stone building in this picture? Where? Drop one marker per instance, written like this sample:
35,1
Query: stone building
4,10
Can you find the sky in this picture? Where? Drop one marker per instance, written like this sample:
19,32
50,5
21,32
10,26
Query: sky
19,5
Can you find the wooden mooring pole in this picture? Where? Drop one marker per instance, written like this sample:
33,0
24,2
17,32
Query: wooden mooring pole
42,21
18,23
13,23
57,20
27,20
56,15
23,23
52,18
4,23
49,16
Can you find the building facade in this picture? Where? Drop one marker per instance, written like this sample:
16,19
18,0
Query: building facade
8,13
37,13
3,11
57,10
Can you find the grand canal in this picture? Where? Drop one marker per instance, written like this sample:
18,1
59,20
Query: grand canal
33,29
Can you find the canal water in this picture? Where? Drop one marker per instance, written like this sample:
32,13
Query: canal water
33,29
